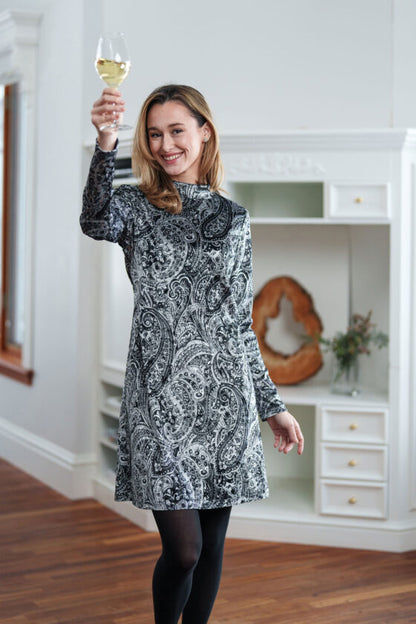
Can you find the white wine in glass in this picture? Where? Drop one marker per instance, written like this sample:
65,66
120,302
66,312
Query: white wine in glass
112,62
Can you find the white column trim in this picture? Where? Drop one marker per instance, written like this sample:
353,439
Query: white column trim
412,436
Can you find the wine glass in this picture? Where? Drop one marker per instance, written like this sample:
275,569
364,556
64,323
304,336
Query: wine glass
112,62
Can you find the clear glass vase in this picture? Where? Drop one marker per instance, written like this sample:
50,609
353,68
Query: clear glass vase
345,380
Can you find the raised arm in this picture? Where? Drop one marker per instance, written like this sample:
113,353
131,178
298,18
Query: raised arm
105,215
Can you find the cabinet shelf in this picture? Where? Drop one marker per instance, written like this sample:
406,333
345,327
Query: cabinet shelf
304,200
265,220
310,393
109,444
110,410
289,497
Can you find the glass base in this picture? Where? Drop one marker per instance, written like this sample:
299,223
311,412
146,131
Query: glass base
122,126
346,381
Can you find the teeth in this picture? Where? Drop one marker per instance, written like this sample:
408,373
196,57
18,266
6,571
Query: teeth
172,157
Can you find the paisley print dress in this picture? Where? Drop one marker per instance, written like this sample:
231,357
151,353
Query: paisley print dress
195,382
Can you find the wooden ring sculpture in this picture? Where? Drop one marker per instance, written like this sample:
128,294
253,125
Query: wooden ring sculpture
306,361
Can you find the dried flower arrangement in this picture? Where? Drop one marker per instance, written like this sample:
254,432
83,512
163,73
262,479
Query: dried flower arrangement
358,338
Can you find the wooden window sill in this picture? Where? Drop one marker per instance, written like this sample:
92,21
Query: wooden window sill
10,366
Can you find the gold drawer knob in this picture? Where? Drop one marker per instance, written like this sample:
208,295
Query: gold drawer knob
352,500
352,463
353,426
358,200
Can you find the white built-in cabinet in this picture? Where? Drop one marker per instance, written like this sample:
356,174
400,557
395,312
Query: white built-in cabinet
337,212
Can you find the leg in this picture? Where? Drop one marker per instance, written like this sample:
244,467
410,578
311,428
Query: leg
207,574
181,536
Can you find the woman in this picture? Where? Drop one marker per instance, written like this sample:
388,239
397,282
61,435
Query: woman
189,438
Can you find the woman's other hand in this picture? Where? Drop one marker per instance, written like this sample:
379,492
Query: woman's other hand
108,108
287,432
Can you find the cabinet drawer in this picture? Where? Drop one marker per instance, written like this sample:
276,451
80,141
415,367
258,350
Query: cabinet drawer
354,425
357,201
352,499
352,462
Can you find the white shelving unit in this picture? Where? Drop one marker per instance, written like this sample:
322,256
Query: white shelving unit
335,211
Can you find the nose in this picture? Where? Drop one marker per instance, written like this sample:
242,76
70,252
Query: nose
167,142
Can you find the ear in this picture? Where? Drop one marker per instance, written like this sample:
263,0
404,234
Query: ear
206,132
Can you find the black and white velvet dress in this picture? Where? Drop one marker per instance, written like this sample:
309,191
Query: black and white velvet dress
195,381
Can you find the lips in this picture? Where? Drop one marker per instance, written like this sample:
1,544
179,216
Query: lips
172,157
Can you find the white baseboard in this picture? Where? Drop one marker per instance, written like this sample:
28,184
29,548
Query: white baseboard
69,473
104,493
386,538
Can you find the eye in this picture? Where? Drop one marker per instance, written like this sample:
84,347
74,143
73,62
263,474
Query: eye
154,135
177,130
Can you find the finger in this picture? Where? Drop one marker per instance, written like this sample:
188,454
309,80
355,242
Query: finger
288,447
111,97
283,444
106,112
107,105
277,441
292,433
109,100
111,91
301,445
297,432
112,114
300,442
103,99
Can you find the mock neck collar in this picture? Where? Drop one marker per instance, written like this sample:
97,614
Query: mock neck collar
192,191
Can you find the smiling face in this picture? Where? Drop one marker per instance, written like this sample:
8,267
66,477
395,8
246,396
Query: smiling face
176,140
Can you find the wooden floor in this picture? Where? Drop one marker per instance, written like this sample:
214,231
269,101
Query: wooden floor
76,562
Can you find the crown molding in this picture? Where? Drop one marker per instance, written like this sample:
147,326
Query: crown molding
19,37
320,140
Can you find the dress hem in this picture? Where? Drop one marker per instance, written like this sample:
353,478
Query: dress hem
200,507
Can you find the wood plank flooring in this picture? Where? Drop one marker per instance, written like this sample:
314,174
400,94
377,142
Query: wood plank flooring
76,562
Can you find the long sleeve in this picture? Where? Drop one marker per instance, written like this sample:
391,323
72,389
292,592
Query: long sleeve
106,215
267,396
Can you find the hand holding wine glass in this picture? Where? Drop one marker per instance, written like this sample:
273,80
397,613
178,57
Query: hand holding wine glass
108,109
112,63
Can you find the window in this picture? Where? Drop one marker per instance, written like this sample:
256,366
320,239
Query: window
12,245
19,38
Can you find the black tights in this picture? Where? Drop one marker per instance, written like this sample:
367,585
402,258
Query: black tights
187,575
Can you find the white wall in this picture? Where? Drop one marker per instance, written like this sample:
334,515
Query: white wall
47,428
264,65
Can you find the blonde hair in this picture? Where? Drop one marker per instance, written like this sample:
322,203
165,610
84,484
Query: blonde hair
155,183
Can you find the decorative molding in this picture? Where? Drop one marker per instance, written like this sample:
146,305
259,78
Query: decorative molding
19,37
19,26
68,473
320,140
273,166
